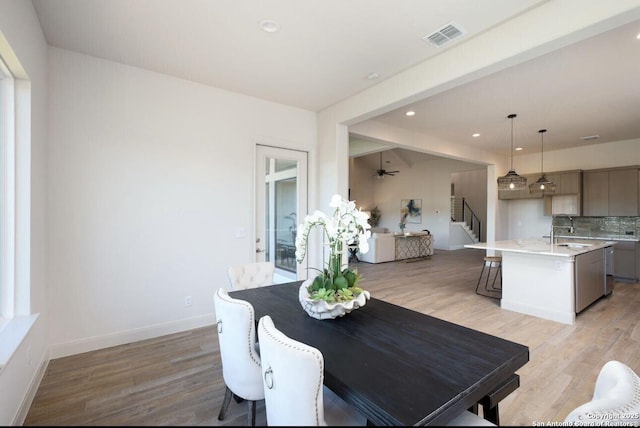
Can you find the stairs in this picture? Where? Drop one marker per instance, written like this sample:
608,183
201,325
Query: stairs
460,235
469,232
465,227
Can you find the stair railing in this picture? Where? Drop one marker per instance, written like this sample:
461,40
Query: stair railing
462,212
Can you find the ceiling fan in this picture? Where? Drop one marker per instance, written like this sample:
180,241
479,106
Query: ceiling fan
381,172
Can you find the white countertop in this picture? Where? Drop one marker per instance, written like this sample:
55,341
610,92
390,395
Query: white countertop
623,238
541,246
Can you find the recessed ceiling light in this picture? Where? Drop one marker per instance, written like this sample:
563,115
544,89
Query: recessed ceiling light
476,135
373,76
269,25
410,113
638,36
517,149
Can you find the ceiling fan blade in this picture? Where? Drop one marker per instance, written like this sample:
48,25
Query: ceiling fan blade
382,172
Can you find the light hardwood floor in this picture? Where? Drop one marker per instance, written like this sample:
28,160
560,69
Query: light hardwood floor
177,379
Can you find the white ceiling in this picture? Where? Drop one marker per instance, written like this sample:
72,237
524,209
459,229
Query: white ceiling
588,88
322,54
326,48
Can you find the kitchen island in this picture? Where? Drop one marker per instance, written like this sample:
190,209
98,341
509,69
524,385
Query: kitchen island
551,281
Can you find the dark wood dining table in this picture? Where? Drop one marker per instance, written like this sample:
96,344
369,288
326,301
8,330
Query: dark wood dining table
395,365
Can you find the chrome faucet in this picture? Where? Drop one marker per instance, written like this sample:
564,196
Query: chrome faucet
554,238
569,228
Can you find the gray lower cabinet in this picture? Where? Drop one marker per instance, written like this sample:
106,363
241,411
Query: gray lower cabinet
625,260
589,277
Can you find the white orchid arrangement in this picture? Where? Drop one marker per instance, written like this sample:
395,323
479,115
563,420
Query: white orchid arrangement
347,226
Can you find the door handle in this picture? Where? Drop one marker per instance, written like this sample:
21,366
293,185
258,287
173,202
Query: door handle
258,250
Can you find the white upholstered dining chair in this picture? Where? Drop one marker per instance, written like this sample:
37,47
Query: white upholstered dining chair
469,419
240,362
616,399
251,275
293,375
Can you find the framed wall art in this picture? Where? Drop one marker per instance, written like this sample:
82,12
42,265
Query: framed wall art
411,210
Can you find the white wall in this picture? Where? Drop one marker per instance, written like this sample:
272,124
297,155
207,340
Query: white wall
527,219
428,181
361,190
150,178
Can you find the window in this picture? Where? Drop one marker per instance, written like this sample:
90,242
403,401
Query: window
16,318
6,145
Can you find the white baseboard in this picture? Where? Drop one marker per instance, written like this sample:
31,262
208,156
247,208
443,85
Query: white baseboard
456,247
553,315
119,338
31,393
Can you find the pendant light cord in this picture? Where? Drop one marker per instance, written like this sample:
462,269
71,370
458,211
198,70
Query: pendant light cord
542,131
511,116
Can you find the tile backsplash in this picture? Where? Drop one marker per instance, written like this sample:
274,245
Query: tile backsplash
601,227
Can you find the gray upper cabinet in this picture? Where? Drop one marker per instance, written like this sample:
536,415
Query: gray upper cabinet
570,183
567,182
623,192
595,195
567,198
612,192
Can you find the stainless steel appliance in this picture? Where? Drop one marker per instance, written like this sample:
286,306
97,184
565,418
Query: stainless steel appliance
608,267
589,276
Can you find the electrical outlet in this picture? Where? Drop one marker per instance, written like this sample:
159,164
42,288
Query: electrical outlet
187,301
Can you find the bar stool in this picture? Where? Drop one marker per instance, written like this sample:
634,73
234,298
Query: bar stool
493,291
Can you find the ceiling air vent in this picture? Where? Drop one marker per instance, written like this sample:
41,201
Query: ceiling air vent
444,35
590,137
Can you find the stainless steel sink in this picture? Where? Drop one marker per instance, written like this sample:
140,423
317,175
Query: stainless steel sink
573,245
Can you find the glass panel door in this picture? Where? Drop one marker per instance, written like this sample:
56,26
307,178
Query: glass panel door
281,199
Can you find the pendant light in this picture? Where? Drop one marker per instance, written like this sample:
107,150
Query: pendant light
512,181
542,186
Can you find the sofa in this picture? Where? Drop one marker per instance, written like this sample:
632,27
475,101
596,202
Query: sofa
382,247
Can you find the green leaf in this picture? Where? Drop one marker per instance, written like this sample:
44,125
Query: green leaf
350,276
344,295
317,284
340,282
323,294
319,294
